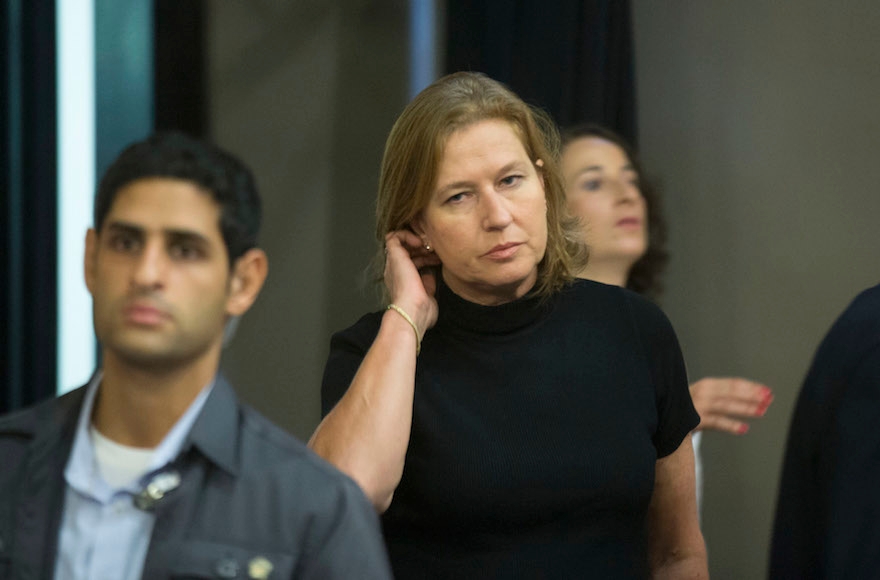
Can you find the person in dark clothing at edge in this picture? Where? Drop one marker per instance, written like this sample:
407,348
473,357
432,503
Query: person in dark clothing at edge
509,420
154,469
828,513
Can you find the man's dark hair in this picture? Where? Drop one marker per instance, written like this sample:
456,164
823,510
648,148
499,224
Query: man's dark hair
178,156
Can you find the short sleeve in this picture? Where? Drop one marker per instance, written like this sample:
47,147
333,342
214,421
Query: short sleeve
676,415
347,350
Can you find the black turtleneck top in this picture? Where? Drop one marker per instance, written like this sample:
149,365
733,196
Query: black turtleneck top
536,427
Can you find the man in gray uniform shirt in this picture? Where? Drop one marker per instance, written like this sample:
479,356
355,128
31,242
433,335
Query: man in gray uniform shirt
154,469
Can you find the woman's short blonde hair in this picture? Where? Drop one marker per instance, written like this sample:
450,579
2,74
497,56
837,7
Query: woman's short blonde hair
414,151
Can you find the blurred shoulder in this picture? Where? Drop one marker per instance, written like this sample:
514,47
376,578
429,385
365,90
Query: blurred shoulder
857,329
271,452
26,422
865,306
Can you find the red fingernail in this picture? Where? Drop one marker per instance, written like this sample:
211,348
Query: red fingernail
743,429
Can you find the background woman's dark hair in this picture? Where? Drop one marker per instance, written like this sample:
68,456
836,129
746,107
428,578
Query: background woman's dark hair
645,277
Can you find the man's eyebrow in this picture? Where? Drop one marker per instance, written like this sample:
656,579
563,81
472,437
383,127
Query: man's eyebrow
187,235
124,227
175,233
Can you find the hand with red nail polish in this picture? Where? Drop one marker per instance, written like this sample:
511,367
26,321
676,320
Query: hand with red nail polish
723,403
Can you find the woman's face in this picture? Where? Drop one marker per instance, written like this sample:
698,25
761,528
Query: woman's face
602,189
487,215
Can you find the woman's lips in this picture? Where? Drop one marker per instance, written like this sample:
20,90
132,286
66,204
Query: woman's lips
503,251
630,222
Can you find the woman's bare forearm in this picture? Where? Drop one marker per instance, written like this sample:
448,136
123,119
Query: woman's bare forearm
367,433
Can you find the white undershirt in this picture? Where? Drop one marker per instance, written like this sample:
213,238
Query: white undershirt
120,465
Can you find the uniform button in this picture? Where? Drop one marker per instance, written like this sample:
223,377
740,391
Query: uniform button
227,568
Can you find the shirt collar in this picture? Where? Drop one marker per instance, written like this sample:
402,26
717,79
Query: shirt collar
82,471
215,431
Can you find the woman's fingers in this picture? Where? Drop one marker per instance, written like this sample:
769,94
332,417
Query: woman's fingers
408,287
401,272
722,402
724,424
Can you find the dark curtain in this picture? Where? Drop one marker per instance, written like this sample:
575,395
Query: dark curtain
572,58
181,78
28,189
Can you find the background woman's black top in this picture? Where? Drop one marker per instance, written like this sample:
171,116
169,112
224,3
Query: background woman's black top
536,427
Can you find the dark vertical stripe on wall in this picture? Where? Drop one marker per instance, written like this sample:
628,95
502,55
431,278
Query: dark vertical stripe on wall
29,204
181,78
573,58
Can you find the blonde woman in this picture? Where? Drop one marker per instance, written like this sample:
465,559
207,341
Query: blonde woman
508,420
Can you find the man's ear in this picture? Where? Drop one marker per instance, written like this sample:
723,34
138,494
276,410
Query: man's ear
90,259
248,274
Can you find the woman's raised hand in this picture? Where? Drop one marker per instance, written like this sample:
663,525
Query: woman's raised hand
409,277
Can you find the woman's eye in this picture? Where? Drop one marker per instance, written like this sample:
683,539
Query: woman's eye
511,180
592,185
457,198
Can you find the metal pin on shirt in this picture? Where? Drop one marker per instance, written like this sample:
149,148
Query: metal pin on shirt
260,568
156,489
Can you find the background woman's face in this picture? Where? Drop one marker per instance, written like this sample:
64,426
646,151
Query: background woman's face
602,189
487,215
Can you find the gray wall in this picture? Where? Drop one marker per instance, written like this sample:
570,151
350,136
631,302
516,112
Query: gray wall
761,118
305,92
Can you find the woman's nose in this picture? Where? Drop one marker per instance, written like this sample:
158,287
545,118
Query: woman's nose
497,213
626,191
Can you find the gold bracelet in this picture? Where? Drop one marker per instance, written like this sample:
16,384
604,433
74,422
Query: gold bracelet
415,328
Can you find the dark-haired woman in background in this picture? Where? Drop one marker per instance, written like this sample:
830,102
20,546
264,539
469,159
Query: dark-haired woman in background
510,420
622,224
